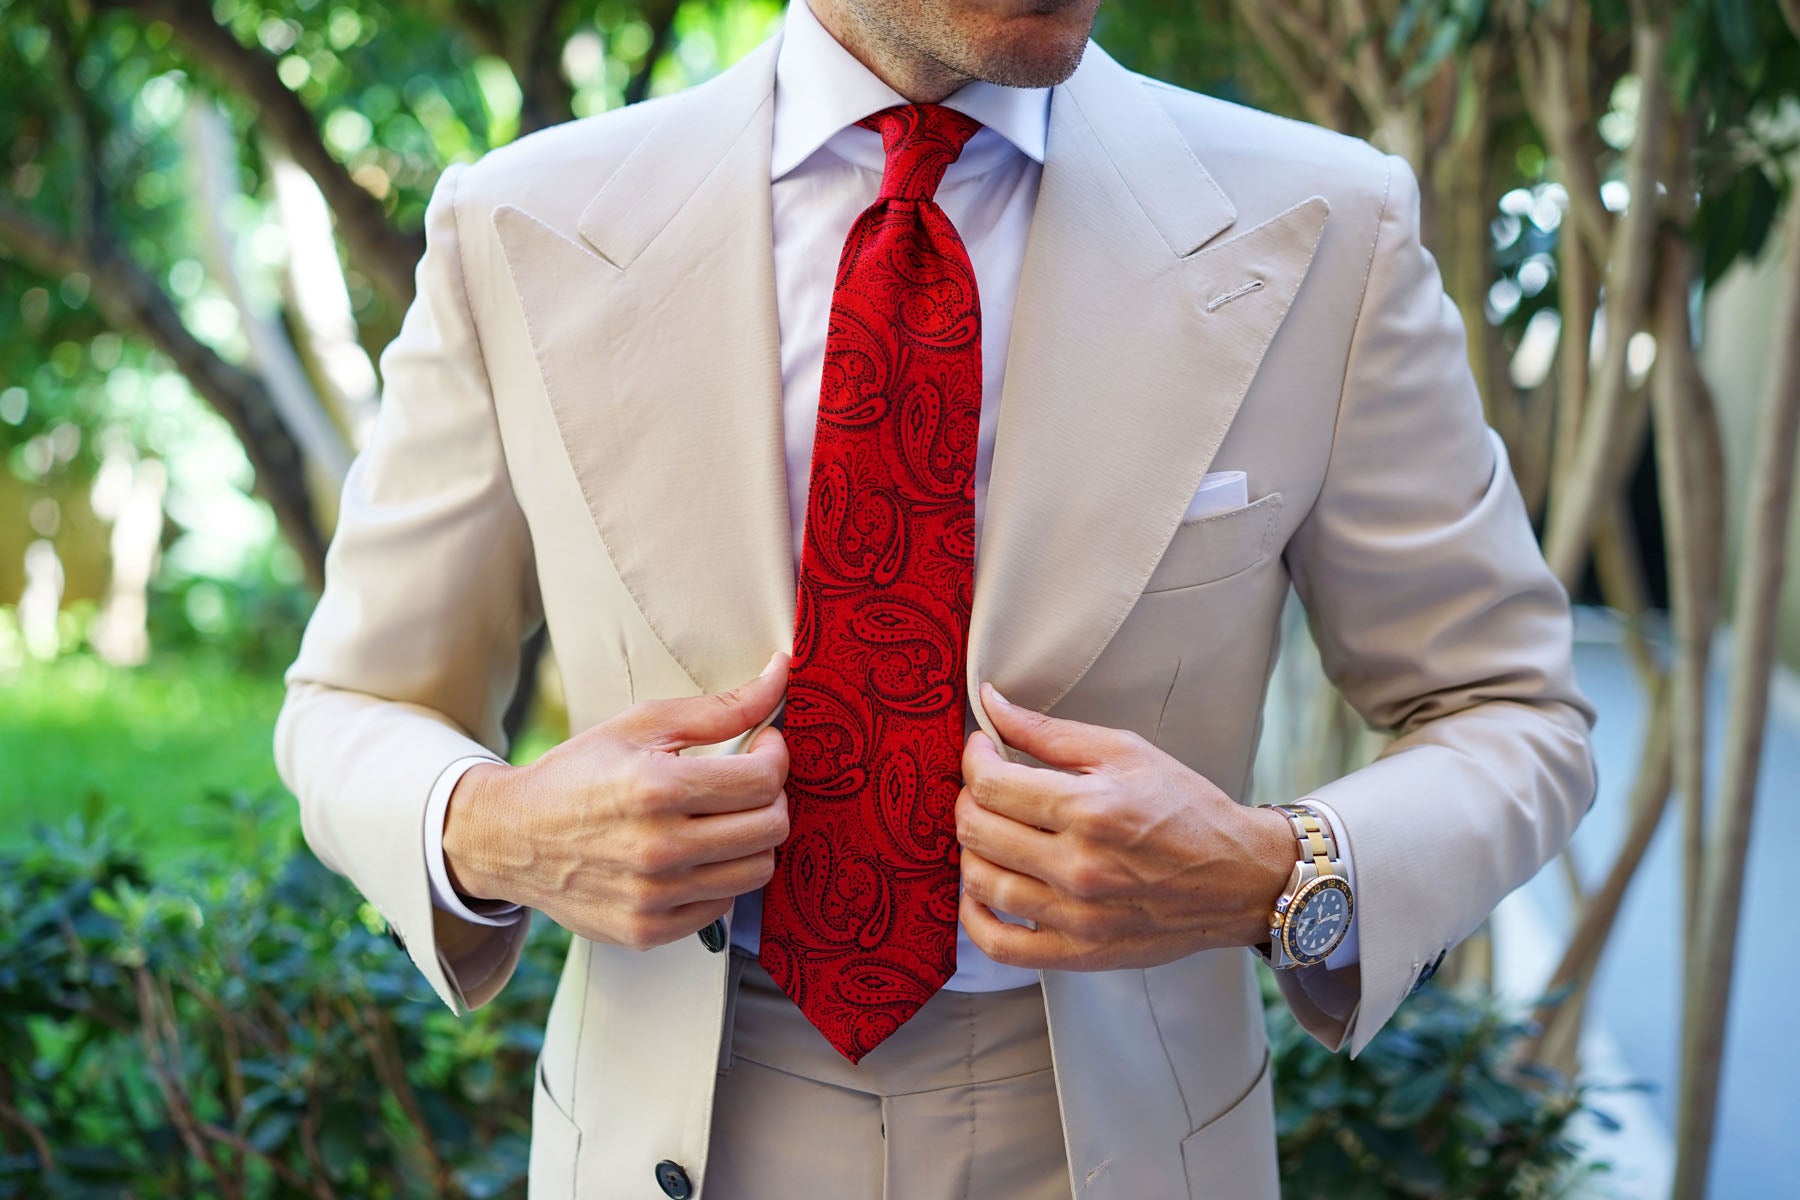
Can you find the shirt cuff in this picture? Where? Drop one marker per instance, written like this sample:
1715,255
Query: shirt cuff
444,897
1349,950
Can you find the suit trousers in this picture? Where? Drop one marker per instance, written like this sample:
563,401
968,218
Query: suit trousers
959,1103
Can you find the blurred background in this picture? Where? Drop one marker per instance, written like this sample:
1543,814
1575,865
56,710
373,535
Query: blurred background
208,223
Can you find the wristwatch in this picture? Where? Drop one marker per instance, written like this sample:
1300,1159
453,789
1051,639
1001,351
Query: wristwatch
1313,914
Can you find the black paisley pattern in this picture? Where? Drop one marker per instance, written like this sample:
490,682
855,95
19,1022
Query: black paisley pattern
859,922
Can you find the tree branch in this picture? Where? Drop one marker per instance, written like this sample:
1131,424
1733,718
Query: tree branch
1597,464
131,300
1309,35
478,21
546,96
1689,479
1366,57
1649,800
1554,62
40,1145
1706,998
527,41
661,16
1286,62
388,255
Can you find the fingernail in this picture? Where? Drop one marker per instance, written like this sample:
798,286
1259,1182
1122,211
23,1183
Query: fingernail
773,660
997,695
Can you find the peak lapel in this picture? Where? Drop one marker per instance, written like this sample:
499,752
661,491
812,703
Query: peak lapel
659,354
1133,344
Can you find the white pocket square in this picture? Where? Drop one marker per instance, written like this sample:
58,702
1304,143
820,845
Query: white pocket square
1220,491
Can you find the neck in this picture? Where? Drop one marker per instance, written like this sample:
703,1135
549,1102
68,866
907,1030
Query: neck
916,75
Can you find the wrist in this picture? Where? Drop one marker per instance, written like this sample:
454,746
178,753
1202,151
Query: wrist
474,827
1268,846
1312,916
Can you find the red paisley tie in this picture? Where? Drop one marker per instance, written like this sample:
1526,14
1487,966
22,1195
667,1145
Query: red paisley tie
859,922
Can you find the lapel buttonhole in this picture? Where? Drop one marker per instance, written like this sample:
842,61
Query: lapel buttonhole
1224,298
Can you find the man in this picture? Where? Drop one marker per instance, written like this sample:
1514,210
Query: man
1104,366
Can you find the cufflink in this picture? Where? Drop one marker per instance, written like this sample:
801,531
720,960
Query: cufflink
1426,972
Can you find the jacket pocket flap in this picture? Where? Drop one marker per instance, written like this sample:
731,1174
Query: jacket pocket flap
1217,546
1232,1156
555,1144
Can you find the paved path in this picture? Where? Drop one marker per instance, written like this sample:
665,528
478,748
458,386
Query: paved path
1636,998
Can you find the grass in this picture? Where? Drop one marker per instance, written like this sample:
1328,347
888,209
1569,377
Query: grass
148,743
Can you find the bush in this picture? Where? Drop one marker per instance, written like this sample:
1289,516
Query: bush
250,1031
1433,1107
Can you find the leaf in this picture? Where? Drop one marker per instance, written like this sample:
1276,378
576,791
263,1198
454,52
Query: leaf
273,1132
340,1147
503,1168
1734,221
1407,1104
1605,1120
1444,39
1498,1103
1759,218
1736,23
1402,1154
1403,26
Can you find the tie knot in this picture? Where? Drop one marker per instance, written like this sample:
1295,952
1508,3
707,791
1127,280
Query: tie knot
922,140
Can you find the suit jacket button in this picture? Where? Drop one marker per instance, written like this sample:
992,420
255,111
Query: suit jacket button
713,936
673,1180
1427,971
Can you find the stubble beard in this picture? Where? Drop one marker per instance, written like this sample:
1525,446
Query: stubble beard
930,34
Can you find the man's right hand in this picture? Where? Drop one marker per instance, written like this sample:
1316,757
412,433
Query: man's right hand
620,838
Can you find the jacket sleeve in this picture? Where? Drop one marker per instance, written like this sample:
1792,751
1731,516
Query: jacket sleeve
1437,618
413,652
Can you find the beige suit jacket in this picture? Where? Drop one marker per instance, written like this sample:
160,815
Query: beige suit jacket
582,425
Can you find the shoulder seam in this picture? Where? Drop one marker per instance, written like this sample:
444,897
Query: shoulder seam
1362,300
520,597
453,176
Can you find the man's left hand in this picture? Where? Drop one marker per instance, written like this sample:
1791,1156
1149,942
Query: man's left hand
1117,853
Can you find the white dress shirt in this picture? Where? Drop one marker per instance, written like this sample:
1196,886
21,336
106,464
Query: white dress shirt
824,171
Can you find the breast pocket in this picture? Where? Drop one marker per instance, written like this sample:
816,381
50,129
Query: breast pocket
1218,546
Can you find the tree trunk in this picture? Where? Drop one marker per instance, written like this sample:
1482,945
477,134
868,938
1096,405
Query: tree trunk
131,300
1598,468
1708,987
386,254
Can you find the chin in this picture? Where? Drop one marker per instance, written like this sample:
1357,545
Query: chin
1029,44
1034,66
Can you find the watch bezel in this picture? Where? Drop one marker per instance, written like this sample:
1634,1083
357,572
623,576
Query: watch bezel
1303,896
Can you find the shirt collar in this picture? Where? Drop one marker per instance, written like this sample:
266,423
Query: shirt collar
821,89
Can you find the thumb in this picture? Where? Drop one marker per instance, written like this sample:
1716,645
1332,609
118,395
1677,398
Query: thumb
1051,740
705,720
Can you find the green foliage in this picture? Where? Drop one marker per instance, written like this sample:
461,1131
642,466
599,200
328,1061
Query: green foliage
1741,57
98,157
246,1028
1194,46
86,125
143,742
92,111
252,621
1433,1107
247,1031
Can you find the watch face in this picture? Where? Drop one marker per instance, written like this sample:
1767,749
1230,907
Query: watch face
1321,922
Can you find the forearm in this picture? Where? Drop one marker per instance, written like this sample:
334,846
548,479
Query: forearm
363,769
484,804
1436,618
1456,814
